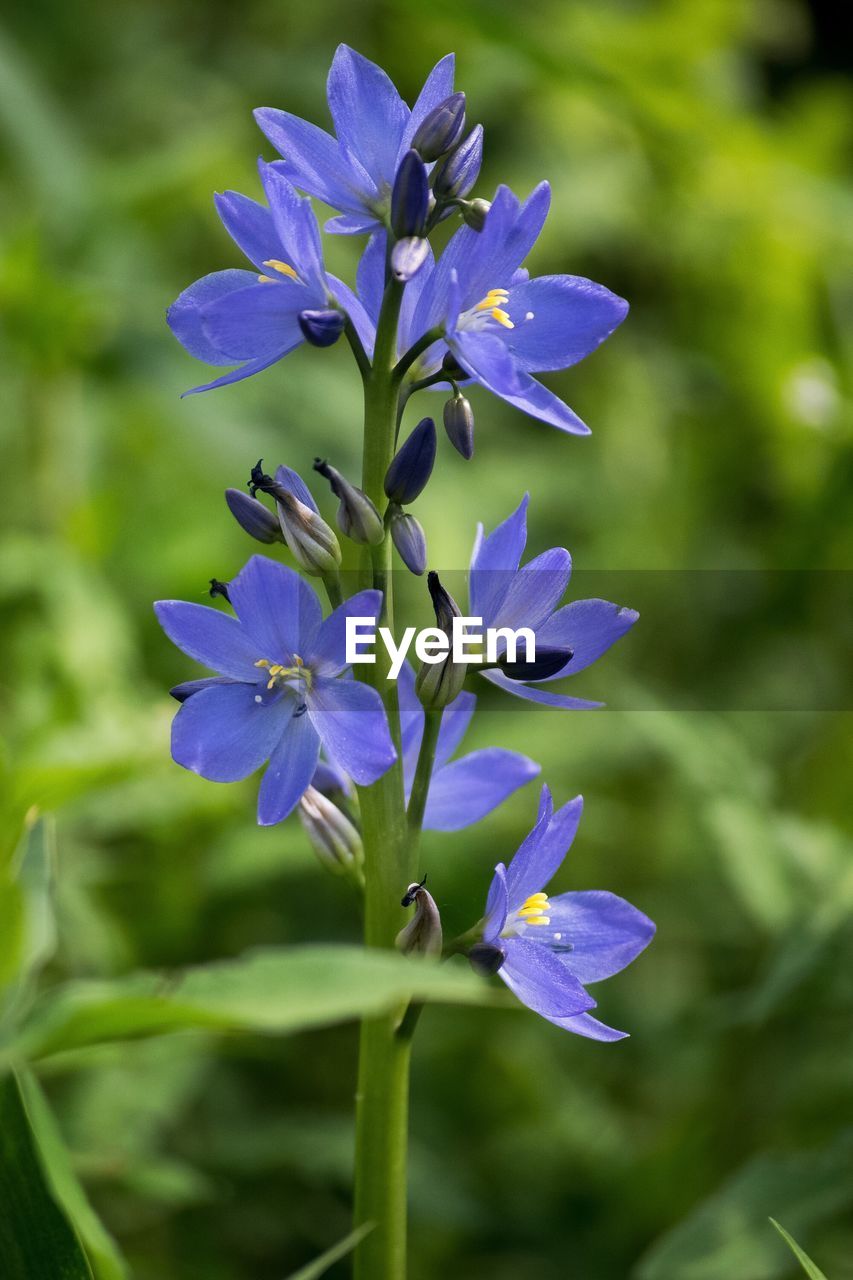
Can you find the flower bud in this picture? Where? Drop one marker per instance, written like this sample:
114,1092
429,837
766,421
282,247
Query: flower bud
441,129
357,517
333,837
546,663
451,366
312,543
322,328
438,683
407,258
485,959
410,197
218,588
411,468
257,520
422,935
409,539
459,424
456,174
474,213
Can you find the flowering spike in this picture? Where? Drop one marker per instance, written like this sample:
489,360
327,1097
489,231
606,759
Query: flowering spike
458,172
459,424
407,258
333,837
422,935
438,683
474,213
411,468
357,517
410,197
322,328
257,520
409,539
441,129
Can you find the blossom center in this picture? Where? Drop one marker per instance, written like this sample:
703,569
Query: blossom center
281,676
533,911
492,307
283,268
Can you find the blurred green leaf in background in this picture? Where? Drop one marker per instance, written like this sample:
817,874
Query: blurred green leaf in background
699,154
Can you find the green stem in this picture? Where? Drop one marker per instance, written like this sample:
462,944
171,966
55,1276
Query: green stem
383,1072
423,775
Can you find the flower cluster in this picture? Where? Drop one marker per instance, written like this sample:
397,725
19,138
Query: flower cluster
284,694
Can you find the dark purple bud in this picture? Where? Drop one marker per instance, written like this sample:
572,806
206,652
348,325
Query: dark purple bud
407,258
459,425
422,935
474,213
409,538
441,129
218,588
357,516
437,683
546,663
410,197
458,172
322,328
407,475
257,520
485,959
451,366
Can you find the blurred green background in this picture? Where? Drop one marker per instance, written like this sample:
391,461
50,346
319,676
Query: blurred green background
699,154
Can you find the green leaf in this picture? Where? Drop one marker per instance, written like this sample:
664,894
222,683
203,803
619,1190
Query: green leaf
100,1247
36,1240
727,1234
812,1271
321,1265
268,990
26,911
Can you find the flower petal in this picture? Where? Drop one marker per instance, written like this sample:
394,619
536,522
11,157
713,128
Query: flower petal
227,732
538,402
278,610
296,225
369,114
353,728
289,771
213,638
328,652
437,86
184,315
250,225
540,858
353,224
294,484
588,628
259,322
569,317
370,275
186,689
534,591
312,160
605,932
494,561
454,725
497,907
246,370
487,359
535,693
463,792
411,724
583,1024
536,977
351,304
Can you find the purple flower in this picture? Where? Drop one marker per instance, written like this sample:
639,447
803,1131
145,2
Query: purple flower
546,949
498,324
355,171
461,791
280,694
257,317
504,594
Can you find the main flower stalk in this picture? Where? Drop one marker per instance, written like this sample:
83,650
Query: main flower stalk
382,1098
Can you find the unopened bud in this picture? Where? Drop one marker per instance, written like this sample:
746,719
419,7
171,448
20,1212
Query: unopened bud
409,538
459,424
546,663
357,516
422,935
438,683
257,520
410,197
333,836
218,588
407,258
412,465
322,328
474,213
485,959
441,129
313,544
456,175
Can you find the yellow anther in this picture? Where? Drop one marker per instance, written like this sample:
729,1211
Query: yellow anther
502,318
262,662
283,267
533,909
494,298
539,920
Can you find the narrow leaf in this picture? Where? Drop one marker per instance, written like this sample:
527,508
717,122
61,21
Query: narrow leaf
812,1271
321,1265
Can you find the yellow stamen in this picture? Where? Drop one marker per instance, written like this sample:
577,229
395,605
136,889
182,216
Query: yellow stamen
539,920
277,672
533,909
502,318
283,267
494,298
